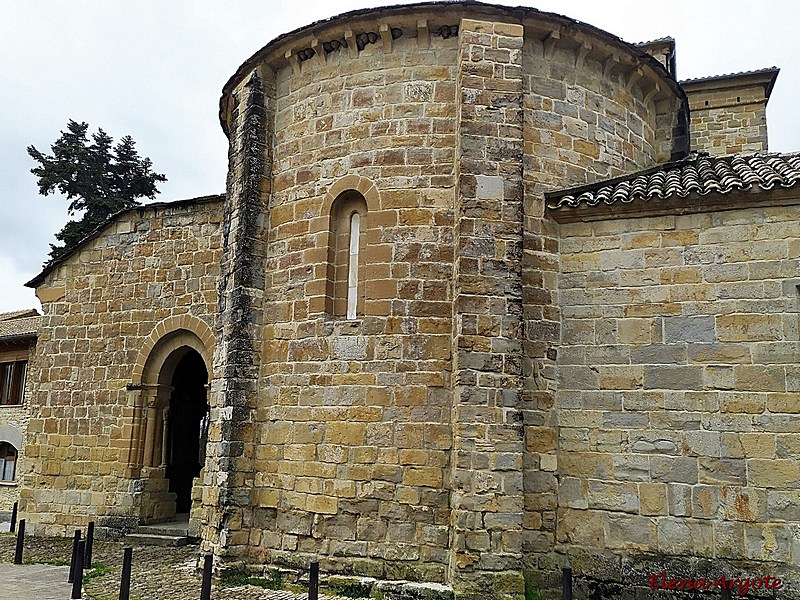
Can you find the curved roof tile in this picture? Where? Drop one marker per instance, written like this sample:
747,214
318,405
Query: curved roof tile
699,174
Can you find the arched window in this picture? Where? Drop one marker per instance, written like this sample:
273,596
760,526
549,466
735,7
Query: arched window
8,462
352,265
344,290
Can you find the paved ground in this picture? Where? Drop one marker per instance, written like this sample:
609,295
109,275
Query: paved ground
157,574
34,582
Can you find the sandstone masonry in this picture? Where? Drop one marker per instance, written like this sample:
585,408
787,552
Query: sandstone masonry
396,347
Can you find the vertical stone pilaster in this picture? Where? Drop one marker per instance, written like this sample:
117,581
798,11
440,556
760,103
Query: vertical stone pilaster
487,483
228,476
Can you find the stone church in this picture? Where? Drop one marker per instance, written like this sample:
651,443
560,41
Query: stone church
490,293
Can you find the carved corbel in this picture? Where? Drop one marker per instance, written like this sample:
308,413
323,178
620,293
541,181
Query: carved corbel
423,35
550,43
653,92
610,63
583,52
320,58
635,76
352,48
386,37
292,58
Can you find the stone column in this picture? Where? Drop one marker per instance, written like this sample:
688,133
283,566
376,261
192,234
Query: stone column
228,477
488,443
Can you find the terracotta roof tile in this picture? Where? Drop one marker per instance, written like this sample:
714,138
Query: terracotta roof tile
698,174
19,327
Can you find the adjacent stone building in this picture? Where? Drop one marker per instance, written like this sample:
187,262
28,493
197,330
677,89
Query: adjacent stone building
17,346
490,293
126,337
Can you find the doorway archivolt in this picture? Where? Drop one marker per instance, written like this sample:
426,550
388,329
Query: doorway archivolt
170,383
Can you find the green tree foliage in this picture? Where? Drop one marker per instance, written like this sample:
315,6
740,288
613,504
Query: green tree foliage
98,177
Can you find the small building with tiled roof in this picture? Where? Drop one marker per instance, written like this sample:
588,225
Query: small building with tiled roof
490,293
18,331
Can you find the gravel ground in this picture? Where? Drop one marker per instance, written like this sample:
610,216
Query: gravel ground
157,572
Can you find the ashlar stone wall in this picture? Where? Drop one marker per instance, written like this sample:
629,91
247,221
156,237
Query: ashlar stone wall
729,112
100,305
412,441
352,436
677,392
728,121
588,115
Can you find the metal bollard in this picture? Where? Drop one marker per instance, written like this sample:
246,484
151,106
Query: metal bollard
313,582
567,584
87,559
75,541
125,581
13,517
208,564
20,543
77,584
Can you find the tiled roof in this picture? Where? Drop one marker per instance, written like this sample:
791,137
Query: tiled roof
19,324
16,314
765,71
698,174
661,40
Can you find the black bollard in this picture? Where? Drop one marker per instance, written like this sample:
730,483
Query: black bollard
567,584
20,543
13,518
87,559
75,541
208,564
313,582
77,584
125,581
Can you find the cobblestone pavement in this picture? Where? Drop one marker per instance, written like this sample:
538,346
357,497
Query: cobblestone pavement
158,573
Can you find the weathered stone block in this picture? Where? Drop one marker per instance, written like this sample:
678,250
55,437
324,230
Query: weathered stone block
582,528
613,496
689,329
777,473
673,377
682,537
722,470
629,532
653,499
674,469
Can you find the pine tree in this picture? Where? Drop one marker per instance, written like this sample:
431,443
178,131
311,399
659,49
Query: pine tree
98,177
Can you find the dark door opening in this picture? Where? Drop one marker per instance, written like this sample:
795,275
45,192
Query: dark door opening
188,427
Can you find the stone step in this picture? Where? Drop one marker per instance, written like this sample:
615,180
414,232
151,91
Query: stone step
174,529
151,539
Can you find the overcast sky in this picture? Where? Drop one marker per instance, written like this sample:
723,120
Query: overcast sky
154,69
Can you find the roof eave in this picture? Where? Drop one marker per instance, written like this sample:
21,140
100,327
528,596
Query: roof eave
692,203
296,35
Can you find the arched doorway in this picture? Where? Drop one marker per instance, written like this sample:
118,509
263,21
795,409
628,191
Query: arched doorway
170,383
187,427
